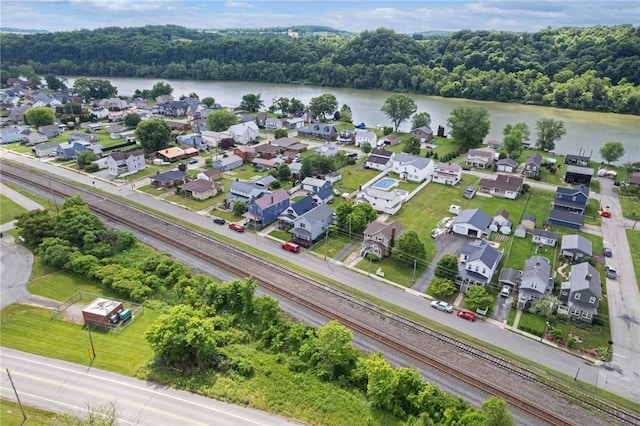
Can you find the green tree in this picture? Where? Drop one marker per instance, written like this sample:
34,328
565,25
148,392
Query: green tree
323,105
411,146
409,248
86,157
409,384
221,120
239,208
477,297
54,83
512,143
469,126
282,105
40,116
545,307
421,119
381,380
94,88
496,413
296,107
161,88
208,101
280,133
398,108
366,147
442,287
523,127
447,267
251,102
612,151
334,354
131,120
153,134
75,221
549,131
284,172
346,114
35,225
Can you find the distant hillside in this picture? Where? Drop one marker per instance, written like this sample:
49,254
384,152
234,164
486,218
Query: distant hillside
21,31
299,30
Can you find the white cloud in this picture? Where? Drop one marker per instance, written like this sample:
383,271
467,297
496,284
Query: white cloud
120,5
238,5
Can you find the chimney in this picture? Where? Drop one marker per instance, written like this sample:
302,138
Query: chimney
272,199
588,277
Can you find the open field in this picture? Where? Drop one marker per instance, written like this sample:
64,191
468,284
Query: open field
9,209
634,244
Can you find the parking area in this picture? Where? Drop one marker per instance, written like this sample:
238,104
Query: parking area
445,244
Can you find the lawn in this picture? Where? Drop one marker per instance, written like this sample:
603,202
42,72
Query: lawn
60,286
10,415
634,244
9,209
18,148
193,204
353,177
630,207
333,245
152,190
280,234
245,172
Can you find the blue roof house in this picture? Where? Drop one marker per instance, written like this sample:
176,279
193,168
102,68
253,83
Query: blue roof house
319,189
287,218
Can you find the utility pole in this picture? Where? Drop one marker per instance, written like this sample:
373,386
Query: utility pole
24,416
415,261
326,239
93,350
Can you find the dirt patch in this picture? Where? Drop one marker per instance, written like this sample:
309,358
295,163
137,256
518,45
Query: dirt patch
74,313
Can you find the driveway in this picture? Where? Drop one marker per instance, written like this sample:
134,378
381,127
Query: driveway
445,244
501,308
16,263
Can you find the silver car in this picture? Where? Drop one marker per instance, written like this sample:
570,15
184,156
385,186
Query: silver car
442,306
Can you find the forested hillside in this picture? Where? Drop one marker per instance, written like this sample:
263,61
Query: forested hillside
594,68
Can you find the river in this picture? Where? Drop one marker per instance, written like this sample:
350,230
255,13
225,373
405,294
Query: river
586,131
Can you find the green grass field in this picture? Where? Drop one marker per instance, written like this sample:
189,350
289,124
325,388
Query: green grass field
630,207
634,243
9,209
10,415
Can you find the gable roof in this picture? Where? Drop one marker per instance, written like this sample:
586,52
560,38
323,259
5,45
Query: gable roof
483,251
503,182
420,163
386,229
579,170
535,159
566,216
577,189
529,217
486,153
303,205
509,275
314,182
168,176
576,242
124,155
425,129
318,213
583,277
198,186
476,217
271,198
536,267
454,168
545,234
507,161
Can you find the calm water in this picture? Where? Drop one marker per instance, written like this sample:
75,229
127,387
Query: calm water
586,131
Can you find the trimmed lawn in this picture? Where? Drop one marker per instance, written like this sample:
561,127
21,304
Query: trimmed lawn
634,244
62,285
18,147
281,235
353,177
246,172
10,415
152,190
630,207
193,204
333,245
9,209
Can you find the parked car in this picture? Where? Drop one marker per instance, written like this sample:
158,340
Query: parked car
469,316
610,272
219,220
194,161
236,227
442,306
288,245
506,291
607,252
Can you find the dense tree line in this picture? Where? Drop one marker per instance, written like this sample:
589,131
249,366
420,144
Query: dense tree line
596,68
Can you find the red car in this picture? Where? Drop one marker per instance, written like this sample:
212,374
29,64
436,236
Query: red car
236,227
469,316
288,245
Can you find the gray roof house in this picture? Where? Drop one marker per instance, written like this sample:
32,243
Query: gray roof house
379,238
472,223
575,247
45,149
244,191
168,179
413,168
287,218
507,165
379,159
126,163
566,219
323,131
9,135
535,280
227,163
510,277
582,293
573,199
312,225
533,165
542,236
478,263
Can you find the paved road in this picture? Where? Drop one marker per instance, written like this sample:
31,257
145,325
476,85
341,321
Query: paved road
487,331
66,387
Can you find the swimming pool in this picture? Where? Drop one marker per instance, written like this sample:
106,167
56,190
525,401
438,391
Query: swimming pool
385,183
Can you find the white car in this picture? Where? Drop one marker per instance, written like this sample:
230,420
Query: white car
442,306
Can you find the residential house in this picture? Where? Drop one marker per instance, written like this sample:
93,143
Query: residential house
114,104
45,149
507,165
448,174
634,180
412,168
265,181
31,138
244,191
285,143
424,133
504,186
267,151
496,145
169,179
581,295
244,133
535,281
481,158
533,165
577,160
379,159
346,137
246,152
572,199
110,130
125,162
201,189
318,130
387,202
547,238
266,209
328,149
266,163
319,189
272,123
214,139
380,237
472,223
287,219
293,123
578,174
178,125
68,151
100,112
478,263
295,168
175,153
261,119
575,247
211,175
50,131
9,135
16,115
312,225
87,137
227,163
566,219
510,277
363,137
333,177
193,140
529,222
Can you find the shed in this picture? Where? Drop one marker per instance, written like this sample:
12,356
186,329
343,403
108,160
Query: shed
529,222
521,231
578,174
99,312
505,228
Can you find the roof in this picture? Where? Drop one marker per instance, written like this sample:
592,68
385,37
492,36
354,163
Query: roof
318,213
476,217
381,152
314,182
420,163
503,182
172,152
268,149
377,159
270,198
535,268
529,217
303,205
576,242
577,189
583,277
383,195
170,176
566,216
448,167
425,129
634,179
509,275
502,213
579,170
481,152
483,251
266,180
102,306
577,157
535,159
386,229
545,234
507,161
198,186
124,155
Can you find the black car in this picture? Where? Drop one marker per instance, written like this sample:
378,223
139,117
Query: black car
219,220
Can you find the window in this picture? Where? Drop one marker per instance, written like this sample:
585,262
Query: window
592,300
577,296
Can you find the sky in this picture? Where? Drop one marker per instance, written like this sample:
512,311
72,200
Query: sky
349,15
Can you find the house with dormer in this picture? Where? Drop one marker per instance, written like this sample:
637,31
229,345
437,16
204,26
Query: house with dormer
244,191
412,168
387,202
346,137
125,163
533,165
379,238
477,264
319,130
573,199
244,133
447,174
312,225
363,136
535,281
582,293
379,159
319,189
266,208
287,219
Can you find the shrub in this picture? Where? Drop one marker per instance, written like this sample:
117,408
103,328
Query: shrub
91,168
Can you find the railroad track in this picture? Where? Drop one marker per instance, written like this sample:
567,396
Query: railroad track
331,304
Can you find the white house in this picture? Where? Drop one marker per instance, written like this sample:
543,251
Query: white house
478,263
328,149
379,159
125,162
244,133
412,168
366,136
447,174
388,202
535,280
213,138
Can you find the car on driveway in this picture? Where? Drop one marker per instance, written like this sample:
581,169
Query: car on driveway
442,306
469,316
607,252
236,227
610,272
288,245
194,161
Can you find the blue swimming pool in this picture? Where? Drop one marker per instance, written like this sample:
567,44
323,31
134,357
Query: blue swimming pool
385,183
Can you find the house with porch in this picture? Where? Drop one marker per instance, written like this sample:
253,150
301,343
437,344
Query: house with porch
572,199
575,247
266,208
45,149
319,130
244,191
504,186
126,163
412,168
472,223
363,136
387,202
287,219
577,160
581,295
379,159
447,174
319,189
477,264
312,225
578,174
480,157
69,151
535,281
379,238
328,149
533,165
346,137
201,189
